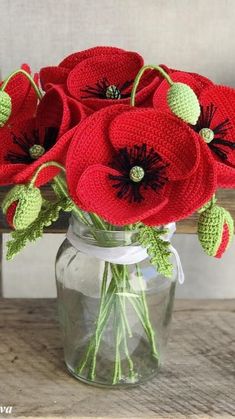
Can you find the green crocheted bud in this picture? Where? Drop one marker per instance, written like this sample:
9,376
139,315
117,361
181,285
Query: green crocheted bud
5,108
28,202
215,230
183,102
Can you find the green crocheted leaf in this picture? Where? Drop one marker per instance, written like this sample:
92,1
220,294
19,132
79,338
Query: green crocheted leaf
157,248
48,214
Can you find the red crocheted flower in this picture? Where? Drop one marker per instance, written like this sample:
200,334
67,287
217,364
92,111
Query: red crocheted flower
100,76
216,124
31,142
130,164
23,97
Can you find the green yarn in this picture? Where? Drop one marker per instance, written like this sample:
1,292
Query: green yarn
183,102
5,99
49,213
211,226
5,108
136,174
157,248
180,97
29,202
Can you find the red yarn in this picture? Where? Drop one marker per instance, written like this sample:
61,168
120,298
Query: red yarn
224,242
222,99
96,144
23,96
11,213
83,70
55,110
195,81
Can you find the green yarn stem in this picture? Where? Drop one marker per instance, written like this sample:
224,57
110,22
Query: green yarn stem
113,301
209,204
44,166
140,74
27,75
146,314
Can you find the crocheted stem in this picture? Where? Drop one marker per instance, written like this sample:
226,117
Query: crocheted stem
44,166
21,71
113,301
140,74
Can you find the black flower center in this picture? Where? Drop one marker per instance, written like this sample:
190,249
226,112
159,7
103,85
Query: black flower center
30,146
214,134
103,89
140,169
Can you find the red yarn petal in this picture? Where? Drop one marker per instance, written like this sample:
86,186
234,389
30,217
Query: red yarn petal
22,173
23,97
75,58
11,213
90,145
226,176
223,98
50,76
176,143
58,110
95,193
224,242
185,197
116,70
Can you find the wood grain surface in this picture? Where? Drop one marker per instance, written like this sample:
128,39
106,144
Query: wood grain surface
197,380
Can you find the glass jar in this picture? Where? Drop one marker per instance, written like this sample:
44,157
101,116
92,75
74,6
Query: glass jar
114,317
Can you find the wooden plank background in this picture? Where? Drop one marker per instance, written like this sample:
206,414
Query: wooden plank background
197,380
225,197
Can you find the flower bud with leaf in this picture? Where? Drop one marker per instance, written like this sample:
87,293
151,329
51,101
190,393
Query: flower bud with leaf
22,205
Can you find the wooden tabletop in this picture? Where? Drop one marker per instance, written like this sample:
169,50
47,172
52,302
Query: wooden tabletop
197,380
225,197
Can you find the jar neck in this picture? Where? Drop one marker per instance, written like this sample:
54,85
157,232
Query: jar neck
105,238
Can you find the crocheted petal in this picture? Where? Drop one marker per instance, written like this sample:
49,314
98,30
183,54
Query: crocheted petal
52,76
176,143
185,197
90,145
95,193
75,58
11,173
8,170
23,96
223,98
57,153
116,69
225,176
6,137
58,110
160,95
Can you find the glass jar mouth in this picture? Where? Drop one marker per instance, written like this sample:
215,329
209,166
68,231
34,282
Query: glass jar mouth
100,237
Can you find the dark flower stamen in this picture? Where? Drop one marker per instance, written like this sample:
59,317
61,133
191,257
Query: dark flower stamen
139,169
28,144
220,131
103,89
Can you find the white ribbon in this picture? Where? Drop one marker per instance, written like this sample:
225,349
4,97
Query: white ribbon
124,255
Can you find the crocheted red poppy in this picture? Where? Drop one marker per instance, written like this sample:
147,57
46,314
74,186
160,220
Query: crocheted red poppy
23,97
216,124
100,76
128,164
34,141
